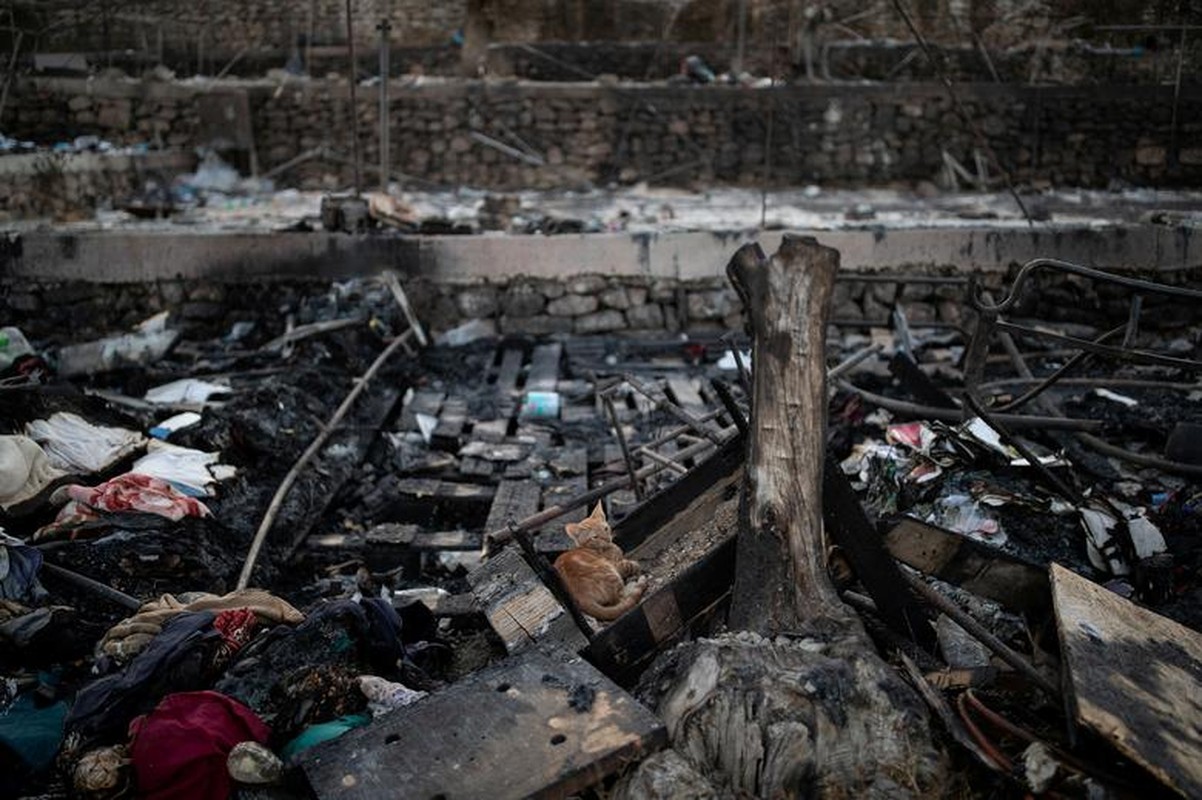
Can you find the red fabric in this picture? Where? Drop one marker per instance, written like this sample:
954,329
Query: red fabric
236,625
134,492
129,492
179,750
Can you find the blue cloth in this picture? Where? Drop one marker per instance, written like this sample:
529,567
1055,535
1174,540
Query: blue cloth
34,734
19,567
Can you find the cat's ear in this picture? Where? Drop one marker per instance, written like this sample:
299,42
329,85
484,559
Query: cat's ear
571,529
598,513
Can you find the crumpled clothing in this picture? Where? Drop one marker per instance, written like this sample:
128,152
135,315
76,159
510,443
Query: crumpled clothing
127,638
179,750
384,696
101,769
322,732
293,677
77,446
129,492
32,732
180,659
237,627
19,565
25,471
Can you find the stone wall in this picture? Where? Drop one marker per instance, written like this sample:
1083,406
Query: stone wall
57,312
583,134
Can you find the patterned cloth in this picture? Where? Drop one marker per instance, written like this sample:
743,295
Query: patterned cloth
125,493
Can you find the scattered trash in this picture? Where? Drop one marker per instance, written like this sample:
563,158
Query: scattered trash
185,390
77,446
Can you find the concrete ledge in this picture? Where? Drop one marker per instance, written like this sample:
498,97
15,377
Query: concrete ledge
134,256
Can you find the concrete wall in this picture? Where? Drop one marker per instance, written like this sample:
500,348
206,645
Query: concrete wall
598,283
589,133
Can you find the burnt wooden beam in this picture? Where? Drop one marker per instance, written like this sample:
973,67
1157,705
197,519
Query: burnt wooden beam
849,527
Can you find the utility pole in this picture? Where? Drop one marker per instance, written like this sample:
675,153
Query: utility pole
385,146
737,67
350,43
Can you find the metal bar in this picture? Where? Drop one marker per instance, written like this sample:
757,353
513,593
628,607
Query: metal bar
513,152
1134,383
630,468
354,79
1067,492
94,586
1047,383
1117,353
493,539
673,409
853,361
977,133
385,127
981,304
953,415
664,460
732,408
978,632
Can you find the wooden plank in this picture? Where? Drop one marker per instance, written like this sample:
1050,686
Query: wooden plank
625,646
426,488
411,536
496,451
493,430
451,420
571,466
515,500
974,566
425,401
1134,677
846,524
520,608
507,373
687,397
531,726
544,368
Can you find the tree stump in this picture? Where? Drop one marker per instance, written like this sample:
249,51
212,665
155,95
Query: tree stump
794,701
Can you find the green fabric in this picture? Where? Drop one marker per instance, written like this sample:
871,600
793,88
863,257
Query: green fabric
323,732
33,733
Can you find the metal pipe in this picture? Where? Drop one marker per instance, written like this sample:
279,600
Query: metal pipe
954,415
350,42
385,145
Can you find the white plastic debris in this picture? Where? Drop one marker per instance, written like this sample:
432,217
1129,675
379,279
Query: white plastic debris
76,445
185,390
1101,547
194,472
962,514
468,332
426,425
728,362
1122,399
164,429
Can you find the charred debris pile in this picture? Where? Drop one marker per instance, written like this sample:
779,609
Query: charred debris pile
310,554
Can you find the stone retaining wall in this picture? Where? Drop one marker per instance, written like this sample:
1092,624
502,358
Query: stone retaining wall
578,134
587,304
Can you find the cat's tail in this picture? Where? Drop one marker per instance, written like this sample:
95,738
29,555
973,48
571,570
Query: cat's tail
610,613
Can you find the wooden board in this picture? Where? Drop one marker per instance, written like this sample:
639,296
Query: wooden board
1134,677
531,726
520,608
425,488
515,500
544,368
571,465
972,565
451,420
507,373
425,401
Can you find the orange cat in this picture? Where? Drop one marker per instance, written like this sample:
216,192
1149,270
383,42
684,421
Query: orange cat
595,570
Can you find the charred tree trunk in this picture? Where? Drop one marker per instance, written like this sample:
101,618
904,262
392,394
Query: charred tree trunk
780,574
795,702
